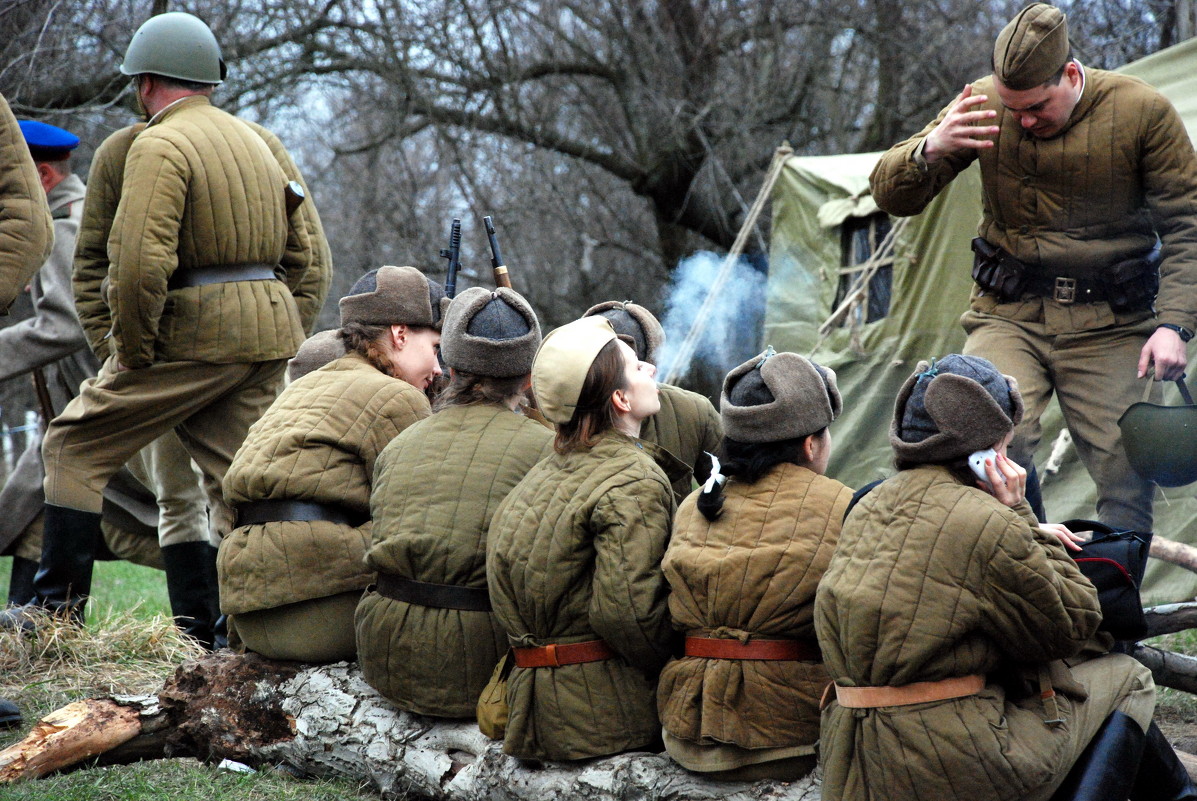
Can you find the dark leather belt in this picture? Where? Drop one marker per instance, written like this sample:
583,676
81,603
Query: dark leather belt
791,650
574,653
256,512
437,596
1066,290
220,274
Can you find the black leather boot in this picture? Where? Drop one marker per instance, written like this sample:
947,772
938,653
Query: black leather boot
10,716
20,582
63,579
192,588
1107,767
1161,775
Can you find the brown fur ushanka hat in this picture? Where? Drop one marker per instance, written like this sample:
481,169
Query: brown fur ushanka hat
778,396
951,408
635,322
490,333
316,351
394,296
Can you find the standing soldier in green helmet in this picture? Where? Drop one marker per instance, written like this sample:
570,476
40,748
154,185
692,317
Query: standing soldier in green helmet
206,259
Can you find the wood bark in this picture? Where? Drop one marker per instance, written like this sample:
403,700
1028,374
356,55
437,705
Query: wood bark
326,721
1175,552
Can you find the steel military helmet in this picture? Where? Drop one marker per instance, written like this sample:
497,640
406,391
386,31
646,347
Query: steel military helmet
1161,441
177,45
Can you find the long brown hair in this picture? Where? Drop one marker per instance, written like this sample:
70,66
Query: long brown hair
467,389
367,341
595,412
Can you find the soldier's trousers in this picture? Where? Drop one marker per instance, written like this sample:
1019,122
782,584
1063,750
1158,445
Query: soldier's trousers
1093,376
166,469
1114,682
210,406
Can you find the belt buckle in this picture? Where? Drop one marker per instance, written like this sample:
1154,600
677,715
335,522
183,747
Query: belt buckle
1065,290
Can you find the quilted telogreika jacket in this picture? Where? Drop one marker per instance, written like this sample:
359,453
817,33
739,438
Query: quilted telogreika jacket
317,442
436,487
931,580
170,219
688,427
25,235
574,555
751,573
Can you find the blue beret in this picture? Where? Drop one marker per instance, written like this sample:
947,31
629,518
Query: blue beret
47,141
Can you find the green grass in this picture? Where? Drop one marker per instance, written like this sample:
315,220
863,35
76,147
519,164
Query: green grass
130,646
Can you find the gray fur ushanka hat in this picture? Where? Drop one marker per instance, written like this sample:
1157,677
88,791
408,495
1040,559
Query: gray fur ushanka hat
316,351
778,396
635,322
950,408
490,333
394,296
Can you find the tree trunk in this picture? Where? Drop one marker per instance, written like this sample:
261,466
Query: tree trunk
1174,552
326,721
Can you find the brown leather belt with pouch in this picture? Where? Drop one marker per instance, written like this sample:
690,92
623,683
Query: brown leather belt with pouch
220,274
1128,285
257,512
574,653
437,596
920,692
780,650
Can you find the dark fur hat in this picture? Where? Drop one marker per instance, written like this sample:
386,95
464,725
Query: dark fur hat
490,332
778,396
948,409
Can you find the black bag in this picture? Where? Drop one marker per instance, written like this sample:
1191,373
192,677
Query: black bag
1114,560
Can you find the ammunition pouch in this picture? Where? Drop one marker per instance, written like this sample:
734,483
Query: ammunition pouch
1132,284
997,271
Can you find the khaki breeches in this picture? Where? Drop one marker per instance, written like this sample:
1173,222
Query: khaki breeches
319,630
166,469
1114,682
210,406
1093,376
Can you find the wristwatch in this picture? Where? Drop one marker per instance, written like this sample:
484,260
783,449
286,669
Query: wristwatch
1184,333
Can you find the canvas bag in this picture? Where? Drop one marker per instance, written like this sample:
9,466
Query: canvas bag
1114,560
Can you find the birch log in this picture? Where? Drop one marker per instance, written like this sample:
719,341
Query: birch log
326,721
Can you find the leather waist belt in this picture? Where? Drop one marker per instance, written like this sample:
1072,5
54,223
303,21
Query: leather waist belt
795,650
437,596
1067,290
918,693
557,655
255,512
220,274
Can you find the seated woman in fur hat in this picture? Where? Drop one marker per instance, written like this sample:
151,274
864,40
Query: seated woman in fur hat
743,564
425,637
292,571
574,557
959,631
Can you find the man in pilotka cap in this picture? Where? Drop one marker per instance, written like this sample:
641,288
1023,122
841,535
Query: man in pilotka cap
1082,170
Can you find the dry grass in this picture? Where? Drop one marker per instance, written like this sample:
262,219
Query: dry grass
116,654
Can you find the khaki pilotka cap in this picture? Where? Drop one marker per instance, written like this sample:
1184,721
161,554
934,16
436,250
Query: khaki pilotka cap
562,363
394,296
316,351
1032,47
490,333
795,398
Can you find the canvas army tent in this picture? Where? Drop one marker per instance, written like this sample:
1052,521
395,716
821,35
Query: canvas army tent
824,222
